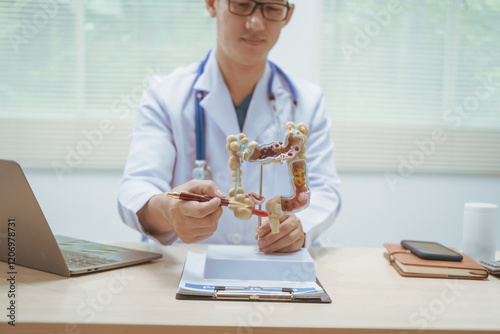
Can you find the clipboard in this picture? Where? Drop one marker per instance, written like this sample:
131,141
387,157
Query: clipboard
193,285
251,293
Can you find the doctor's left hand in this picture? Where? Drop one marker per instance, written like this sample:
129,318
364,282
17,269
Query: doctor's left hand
290,238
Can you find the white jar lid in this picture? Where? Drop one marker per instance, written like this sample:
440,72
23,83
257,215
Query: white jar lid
481,208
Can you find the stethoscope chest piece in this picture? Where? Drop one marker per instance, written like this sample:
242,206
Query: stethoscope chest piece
202,171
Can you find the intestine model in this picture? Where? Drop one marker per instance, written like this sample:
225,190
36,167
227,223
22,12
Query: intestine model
292,150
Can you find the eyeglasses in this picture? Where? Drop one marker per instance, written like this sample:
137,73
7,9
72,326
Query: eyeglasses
271,11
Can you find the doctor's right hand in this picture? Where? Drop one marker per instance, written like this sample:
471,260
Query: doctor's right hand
192,221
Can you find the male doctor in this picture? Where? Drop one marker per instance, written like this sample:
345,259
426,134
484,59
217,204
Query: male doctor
234,83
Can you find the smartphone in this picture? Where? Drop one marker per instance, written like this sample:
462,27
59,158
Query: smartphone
431,250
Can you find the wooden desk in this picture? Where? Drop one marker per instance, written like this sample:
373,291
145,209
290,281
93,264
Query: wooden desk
368,297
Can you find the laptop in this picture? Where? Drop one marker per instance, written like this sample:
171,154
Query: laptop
23,224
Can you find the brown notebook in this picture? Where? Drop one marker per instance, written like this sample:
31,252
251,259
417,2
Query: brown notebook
409,265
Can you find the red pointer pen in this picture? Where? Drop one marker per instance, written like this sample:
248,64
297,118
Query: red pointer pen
205,198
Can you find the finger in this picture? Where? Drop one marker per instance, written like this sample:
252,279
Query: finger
200,238
264,228
188,235
289,224
270,238
191,228
205,231
204,187
286,226
190,239
288,243
209,220
289,249
284,217
199,209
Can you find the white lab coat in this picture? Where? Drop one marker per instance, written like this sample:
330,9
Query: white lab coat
163,148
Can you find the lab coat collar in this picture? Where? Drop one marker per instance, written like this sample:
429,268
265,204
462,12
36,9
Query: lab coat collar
211,76
217,102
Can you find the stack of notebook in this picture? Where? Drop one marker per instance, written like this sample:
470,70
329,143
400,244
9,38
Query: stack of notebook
409,265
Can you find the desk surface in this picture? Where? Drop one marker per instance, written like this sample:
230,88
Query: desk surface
367,293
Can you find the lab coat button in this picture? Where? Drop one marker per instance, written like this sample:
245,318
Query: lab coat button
236,238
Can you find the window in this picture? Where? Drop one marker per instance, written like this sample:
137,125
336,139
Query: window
73,72
413,85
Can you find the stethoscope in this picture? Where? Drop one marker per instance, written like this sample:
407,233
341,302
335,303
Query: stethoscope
202,170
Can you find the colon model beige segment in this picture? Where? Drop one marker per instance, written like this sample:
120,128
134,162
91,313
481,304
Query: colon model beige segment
278,205
235,159
297,167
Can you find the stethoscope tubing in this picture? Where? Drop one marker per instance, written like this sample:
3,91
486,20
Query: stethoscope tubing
200,112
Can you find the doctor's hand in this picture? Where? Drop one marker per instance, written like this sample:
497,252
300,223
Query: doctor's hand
290,238
192,221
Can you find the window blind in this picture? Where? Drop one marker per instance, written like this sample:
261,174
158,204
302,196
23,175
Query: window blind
413,85
73,72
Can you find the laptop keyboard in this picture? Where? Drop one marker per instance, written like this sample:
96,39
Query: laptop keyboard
76,260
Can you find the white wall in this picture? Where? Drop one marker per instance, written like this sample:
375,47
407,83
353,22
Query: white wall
425,207
82,205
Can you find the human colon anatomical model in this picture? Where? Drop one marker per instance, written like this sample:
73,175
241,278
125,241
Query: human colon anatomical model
292,150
